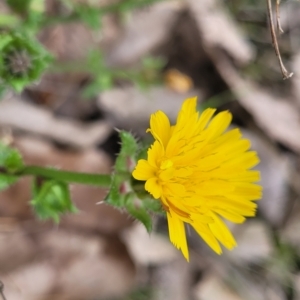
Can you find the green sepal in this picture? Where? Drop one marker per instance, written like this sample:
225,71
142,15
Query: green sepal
152,205
121,177
121,192
115,196
51,199
129,147
143,150
136,208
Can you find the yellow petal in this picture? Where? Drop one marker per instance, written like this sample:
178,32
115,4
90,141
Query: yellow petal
155,153
230,215
189,106
205,118
234,148
210,162
214,187
246,190
177,234
229,137
218,124
246,160
175,189
160,127
167,174
186,114
153,187
178,209
207,236
229,202
247,176
143,171
221,232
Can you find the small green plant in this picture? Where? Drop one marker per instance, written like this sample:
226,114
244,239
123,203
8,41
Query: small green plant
23,59
147,74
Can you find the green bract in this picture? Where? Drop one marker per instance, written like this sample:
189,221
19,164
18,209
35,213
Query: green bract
22,60
124,193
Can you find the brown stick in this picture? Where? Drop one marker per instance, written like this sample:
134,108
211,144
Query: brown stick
284,71
279,28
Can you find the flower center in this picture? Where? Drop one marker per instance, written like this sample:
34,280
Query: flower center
166,164
166,171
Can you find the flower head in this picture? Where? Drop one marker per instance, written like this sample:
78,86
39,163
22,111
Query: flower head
201,174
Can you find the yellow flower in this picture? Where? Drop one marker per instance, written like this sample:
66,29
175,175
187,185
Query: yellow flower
200,173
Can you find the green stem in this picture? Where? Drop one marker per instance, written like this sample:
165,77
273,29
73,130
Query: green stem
67,176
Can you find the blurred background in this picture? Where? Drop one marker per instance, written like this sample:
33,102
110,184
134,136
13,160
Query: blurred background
114,63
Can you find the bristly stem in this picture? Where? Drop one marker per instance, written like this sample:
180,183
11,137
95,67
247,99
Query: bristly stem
284,71
102,180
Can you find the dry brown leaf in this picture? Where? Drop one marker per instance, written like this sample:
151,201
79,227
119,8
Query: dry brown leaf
277,116
172,280
69,265
254,243
212,287
130,108
218,30
145,31
23,116
153,249
296,79
275,169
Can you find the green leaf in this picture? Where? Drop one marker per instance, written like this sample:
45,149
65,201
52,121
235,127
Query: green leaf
5,39
7,180
101,83
38,6
10,161
89,15
2,90
8,20
155,63
20,6
95,62
51,199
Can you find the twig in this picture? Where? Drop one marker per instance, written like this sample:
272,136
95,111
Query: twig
1,290
284,71
279,28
